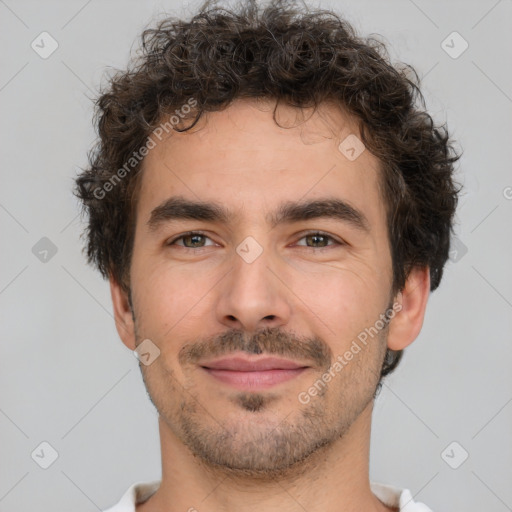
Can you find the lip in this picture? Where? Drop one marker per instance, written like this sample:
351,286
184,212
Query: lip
260,373
243,364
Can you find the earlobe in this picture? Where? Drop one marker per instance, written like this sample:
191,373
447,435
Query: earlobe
406,324
122,314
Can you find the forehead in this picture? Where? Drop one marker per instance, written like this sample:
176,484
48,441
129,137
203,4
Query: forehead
246,160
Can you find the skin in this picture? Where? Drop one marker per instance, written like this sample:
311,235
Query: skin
222,449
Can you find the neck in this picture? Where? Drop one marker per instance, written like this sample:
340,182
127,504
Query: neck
334,478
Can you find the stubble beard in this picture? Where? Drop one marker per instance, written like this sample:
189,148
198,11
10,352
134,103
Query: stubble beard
265,446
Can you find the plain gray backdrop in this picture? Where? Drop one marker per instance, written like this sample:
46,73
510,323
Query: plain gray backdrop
442,423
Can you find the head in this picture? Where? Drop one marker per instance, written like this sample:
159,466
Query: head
320,197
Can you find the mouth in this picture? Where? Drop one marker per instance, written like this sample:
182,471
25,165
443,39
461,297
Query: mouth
251,374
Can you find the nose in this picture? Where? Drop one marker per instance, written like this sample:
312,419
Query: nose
252,297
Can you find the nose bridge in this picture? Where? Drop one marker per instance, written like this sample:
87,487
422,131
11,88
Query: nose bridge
250,274
251,297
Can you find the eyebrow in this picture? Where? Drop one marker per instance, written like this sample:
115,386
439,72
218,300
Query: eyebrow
179,208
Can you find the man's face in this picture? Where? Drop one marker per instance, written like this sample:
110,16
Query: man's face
257,284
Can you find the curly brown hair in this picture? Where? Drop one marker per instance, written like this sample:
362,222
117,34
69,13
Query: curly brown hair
298,56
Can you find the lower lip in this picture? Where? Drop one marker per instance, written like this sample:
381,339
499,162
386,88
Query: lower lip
254,380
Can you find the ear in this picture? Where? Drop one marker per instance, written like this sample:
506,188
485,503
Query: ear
407,322
122,314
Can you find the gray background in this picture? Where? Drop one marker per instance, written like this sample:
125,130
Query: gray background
66,378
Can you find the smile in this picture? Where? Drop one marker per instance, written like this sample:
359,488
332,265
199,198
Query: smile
261,373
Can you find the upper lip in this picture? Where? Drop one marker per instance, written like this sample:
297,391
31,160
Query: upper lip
242,364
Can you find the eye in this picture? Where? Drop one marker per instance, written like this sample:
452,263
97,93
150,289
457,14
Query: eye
197,240
191,240
318,240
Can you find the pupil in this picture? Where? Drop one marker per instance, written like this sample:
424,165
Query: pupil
194,239
316,238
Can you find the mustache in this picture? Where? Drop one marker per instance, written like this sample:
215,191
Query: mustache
267,341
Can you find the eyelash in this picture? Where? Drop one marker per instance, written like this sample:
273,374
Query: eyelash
312,233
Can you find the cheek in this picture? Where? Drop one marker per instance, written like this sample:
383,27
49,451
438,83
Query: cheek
169,296
341,299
